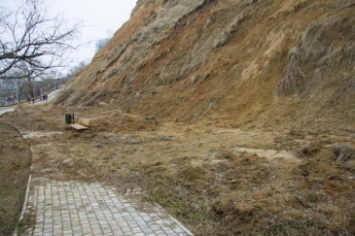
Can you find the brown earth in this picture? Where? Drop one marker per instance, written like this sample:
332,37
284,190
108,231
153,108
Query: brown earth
236,116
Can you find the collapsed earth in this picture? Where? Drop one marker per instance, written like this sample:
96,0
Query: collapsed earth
236,116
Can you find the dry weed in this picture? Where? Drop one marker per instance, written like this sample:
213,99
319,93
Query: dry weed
317,48
63,96
230,30
293,73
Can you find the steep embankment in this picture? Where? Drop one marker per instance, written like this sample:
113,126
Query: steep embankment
283,70
229,63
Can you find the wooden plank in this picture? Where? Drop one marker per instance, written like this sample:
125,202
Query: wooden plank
78,127
84,122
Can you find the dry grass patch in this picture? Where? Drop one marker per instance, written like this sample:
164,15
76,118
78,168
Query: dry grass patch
15,160
202,175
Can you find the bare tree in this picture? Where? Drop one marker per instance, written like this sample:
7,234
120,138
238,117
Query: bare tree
7,88
31,42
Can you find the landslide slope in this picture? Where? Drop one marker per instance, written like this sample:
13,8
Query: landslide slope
229,63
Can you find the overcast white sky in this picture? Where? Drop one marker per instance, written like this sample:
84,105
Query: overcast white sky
101,19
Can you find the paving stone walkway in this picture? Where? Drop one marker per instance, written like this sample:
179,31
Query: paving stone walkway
75,208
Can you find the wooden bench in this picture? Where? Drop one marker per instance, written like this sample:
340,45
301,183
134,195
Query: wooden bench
83,124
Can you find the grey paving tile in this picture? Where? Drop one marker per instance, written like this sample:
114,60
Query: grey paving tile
136,230
158,232
74,208
140,234
147,230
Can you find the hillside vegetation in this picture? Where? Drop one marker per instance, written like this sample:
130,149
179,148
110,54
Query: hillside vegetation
229,63
237,116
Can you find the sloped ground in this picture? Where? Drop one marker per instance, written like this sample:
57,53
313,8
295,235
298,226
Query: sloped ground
229,63
237,116
217,181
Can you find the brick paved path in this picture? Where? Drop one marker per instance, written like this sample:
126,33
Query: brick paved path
75,208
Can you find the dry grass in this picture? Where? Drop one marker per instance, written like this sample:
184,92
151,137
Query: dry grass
200,175
63,96
223,37
325,46
170,95
15,159
168,50
293,74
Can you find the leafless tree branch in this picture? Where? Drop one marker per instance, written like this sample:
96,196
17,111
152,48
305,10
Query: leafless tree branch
29,38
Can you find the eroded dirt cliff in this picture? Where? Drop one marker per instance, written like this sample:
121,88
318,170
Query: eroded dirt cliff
236,116
229,63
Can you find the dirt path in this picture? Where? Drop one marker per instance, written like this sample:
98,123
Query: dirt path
6,109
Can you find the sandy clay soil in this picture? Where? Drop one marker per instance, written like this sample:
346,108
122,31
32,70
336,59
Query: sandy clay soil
217,181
